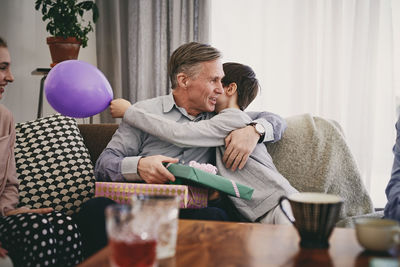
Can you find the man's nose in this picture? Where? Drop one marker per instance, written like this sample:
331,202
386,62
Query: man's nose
219,89
9,77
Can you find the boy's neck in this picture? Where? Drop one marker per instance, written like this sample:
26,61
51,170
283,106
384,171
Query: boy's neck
233,101
233,105
230,105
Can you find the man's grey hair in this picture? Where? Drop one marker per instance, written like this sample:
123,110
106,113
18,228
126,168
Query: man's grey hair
187,57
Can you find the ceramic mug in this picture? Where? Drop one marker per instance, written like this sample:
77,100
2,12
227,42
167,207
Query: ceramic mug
377,234
315,216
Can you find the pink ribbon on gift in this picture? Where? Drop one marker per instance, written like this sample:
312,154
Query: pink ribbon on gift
235,188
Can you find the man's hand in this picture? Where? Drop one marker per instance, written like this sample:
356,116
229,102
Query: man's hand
152,170
118,107
239,144
27,210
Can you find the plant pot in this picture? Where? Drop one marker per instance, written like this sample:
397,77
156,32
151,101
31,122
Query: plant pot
63,48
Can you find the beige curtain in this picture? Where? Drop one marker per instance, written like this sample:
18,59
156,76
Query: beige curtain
135,39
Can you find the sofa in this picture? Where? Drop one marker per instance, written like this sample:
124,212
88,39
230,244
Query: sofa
55,158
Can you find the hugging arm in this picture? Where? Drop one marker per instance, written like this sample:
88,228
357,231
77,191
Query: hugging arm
219,130
274,125
392,209
205,133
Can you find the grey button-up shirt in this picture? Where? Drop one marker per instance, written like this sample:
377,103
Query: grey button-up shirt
119,160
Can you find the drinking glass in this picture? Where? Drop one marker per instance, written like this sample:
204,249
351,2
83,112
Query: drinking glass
132,235
165,210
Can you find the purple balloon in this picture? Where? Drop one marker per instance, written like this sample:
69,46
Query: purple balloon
77,89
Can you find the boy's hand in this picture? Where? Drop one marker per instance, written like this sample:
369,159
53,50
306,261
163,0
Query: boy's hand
118,107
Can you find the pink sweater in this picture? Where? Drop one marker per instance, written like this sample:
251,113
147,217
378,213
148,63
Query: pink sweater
8,174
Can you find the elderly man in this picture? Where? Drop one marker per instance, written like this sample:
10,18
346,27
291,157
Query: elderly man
195,71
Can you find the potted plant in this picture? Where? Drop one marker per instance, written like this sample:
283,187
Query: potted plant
67,26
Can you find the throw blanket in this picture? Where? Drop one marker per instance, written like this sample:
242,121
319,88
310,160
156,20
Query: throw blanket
314,157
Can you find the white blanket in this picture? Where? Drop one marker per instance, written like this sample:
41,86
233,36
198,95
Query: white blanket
314,157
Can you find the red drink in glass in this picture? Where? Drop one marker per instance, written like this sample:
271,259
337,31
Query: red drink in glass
138,253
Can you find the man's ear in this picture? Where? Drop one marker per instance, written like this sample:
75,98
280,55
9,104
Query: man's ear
231,89
182,79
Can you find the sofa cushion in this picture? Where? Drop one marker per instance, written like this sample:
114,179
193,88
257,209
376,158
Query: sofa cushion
53,164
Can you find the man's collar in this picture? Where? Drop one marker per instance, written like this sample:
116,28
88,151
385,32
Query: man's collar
169,103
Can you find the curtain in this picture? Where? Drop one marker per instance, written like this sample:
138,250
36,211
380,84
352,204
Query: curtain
134,40
331,58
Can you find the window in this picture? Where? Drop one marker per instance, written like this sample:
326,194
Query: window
335,59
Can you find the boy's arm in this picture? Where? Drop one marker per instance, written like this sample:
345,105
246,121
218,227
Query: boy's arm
274,125
214,132
205,133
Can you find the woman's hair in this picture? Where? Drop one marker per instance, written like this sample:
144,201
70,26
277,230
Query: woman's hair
187,57
246,82
3,43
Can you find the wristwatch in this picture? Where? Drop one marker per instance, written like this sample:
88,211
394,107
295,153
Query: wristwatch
259,129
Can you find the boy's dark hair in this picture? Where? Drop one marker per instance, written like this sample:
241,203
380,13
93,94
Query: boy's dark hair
187,57
3,43
246,82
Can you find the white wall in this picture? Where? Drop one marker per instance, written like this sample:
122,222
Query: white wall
25,32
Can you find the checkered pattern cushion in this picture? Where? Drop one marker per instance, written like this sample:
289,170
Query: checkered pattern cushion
53,164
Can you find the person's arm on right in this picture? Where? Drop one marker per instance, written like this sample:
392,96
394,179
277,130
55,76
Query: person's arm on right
392,208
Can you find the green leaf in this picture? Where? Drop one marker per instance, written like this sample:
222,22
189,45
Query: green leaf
86,5
37,5
65,17
95,13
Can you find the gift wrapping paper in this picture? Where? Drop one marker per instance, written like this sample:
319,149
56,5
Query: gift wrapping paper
190,197
198,197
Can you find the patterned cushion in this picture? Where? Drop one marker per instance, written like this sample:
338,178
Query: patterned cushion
53,164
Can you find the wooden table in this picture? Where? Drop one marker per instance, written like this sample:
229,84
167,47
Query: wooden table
210,243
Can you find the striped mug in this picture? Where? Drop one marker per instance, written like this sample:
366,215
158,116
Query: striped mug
315,216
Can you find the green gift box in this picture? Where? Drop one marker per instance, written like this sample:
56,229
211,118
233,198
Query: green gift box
218,182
